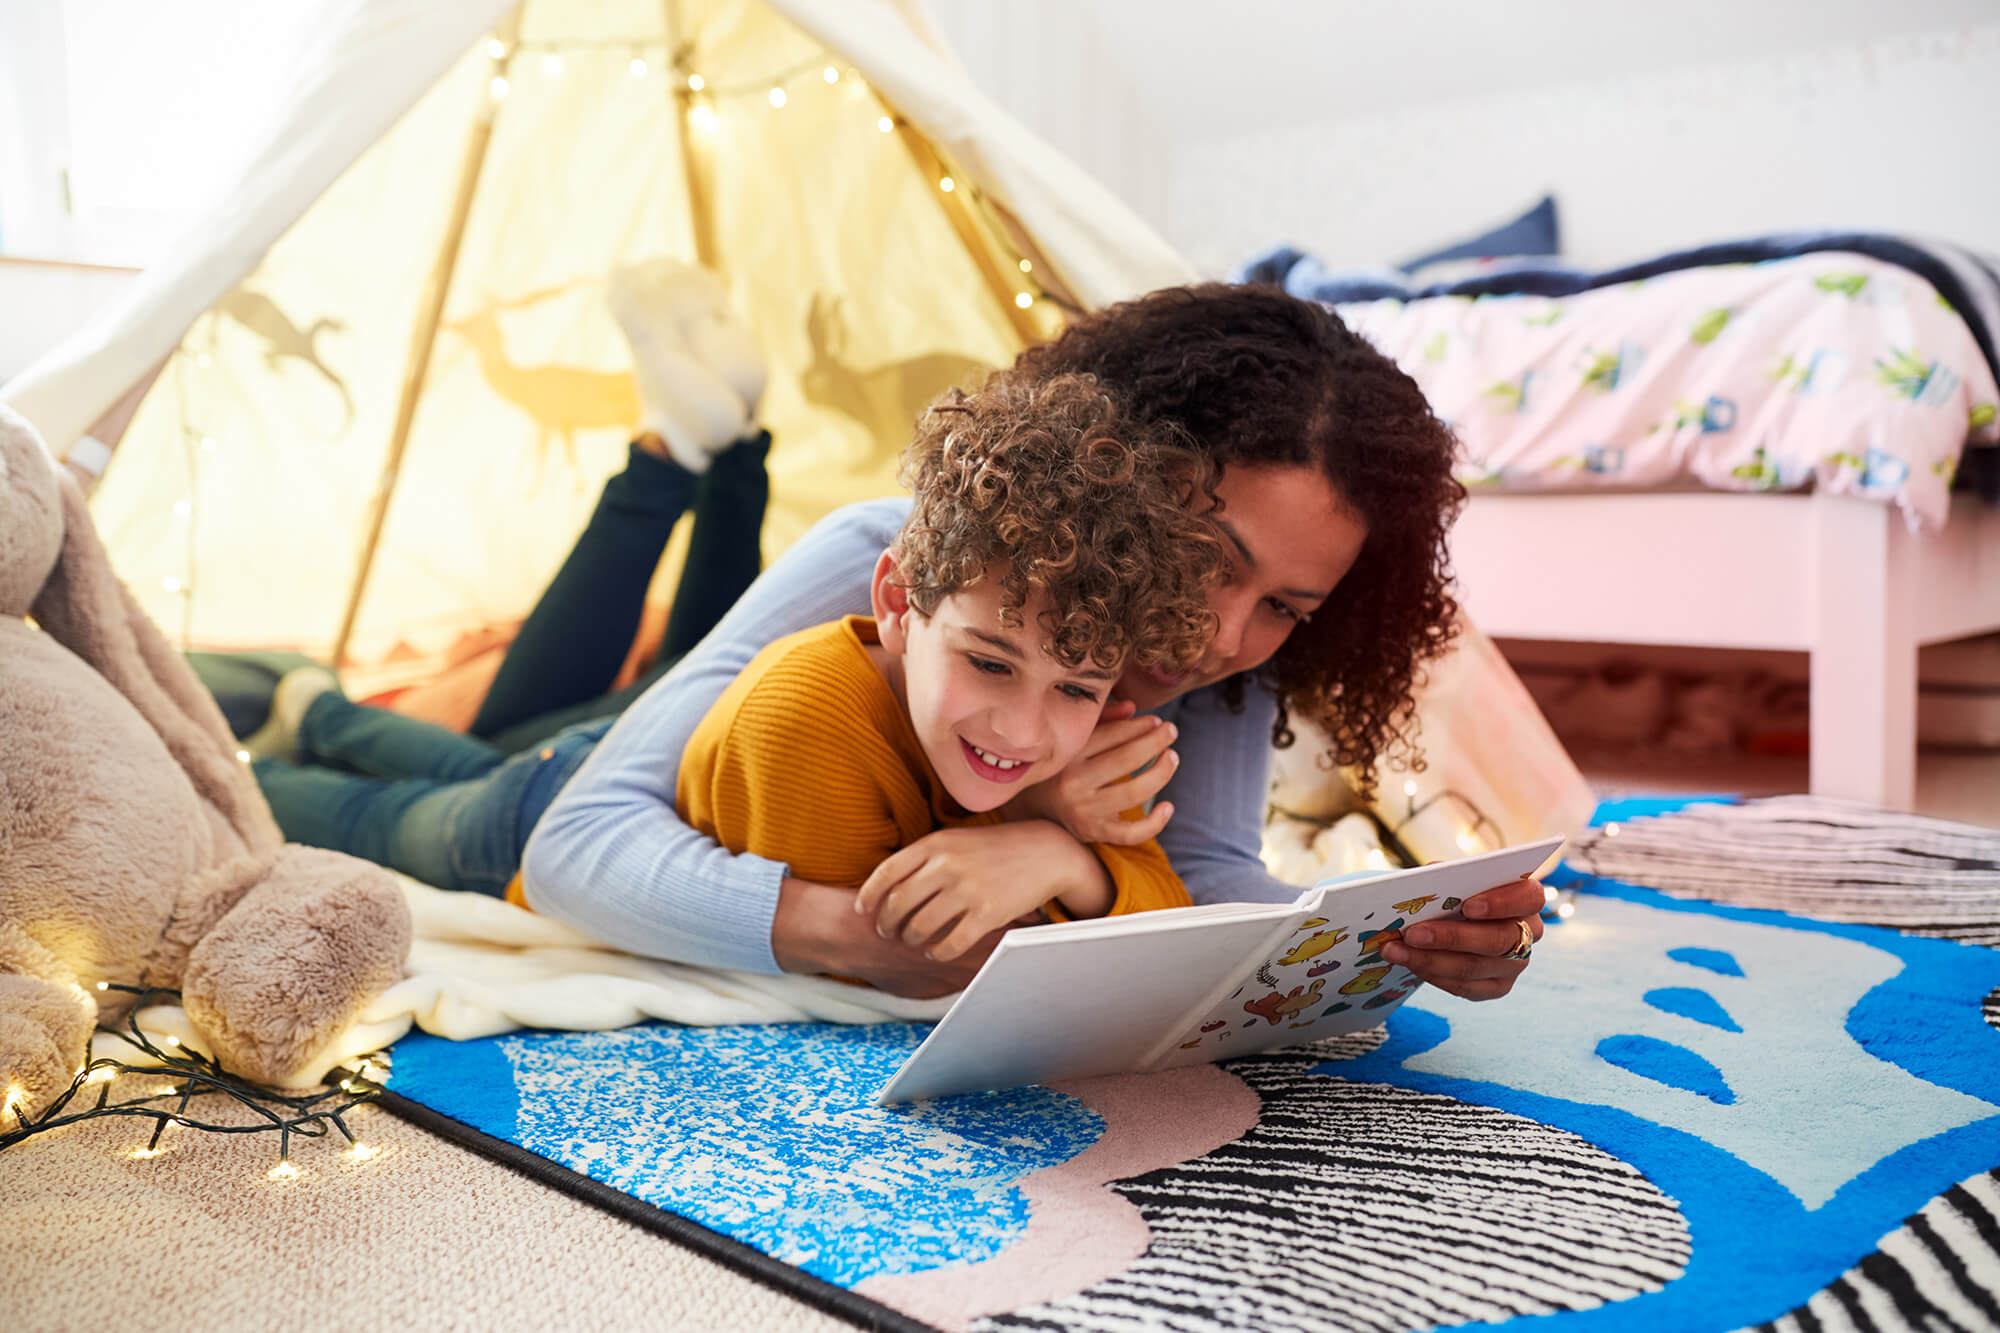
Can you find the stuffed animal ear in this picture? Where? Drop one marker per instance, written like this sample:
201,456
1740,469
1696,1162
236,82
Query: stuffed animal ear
85,608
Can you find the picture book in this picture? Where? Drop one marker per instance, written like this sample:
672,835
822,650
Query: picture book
1155,990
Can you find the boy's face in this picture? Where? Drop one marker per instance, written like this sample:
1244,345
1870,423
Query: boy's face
993,710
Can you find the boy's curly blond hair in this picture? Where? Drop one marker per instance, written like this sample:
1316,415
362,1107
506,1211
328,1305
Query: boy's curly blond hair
1076,498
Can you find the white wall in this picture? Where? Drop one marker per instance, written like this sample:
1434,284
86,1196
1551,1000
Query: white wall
1892,134
1366,130
45,303
1061,76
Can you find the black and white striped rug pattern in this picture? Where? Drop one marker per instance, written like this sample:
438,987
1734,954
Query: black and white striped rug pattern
1939,1273
1812,857
1362,1206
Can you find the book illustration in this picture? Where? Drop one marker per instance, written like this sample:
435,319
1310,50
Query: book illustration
1274,1006
1290,988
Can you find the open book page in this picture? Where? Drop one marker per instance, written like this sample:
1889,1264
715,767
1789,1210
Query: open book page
1326,975
1193,984
1068,1001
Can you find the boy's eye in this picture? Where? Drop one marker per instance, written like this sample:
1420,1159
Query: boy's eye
987,665
1082,692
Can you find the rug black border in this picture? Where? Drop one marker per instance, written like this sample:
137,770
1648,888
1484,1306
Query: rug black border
725,1250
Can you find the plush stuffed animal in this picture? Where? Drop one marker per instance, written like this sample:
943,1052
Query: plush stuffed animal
134,846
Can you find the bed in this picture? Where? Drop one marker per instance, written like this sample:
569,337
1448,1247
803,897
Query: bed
1785,443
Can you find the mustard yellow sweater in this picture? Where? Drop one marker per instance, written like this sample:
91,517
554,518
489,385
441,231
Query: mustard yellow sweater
808,758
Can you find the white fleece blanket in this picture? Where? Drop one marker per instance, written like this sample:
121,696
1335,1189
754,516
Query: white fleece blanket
479,966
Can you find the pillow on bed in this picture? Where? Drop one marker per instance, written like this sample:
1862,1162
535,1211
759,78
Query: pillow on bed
1534,233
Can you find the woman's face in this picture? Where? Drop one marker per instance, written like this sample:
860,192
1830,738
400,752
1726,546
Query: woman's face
1291,540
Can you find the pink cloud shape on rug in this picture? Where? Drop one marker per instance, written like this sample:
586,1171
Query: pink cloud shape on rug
1080,1233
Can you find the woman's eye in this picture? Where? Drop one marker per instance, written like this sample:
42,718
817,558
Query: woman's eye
1286,610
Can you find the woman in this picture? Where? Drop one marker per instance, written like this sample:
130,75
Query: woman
1337,495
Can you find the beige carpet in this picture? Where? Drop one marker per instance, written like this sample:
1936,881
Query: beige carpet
422,1236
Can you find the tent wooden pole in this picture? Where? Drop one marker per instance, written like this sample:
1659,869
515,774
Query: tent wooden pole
701,218
958,212
437,287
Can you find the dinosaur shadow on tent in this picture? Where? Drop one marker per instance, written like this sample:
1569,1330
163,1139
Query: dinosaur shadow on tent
882,398
561,400
283,339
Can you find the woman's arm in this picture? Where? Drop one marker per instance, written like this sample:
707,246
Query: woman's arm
612,858
1220,793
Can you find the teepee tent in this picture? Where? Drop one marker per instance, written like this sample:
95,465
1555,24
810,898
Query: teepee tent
387,384
362,410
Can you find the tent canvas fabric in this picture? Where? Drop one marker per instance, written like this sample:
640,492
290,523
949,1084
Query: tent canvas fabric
290,321
388,387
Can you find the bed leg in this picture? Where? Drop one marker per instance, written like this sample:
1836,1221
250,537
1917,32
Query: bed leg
1864,656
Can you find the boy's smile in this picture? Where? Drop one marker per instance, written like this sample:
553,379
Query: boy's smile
992,709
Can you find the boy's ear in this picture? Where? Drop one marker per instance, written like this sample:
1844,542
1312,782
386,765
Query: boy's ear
890,601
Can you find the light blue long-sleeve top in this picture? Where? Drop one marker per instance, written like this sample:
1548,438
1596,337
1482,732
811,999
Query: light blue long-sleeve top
613,859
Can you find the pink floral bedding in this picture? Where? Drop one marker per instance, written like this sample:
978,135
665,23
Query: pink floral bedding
1828,369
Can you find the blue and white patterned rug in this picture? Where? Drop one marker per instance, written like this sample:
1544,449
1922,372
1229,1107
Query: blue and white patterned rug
1690,1114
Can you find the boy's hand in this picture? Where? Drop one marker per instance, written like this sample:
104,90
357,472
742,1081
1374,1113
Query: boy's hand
816,931
1103,781
1469,958
948,890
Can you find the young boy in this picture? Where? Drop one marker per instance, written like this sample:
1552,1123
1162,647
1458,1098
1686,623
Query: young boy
1052,542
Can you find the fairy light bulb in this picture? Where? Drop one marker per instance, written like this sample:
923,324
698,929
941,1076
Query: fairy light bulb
171,584
696,83
777,98
173,1041
202,360
497,89
104,985
703,118
638,67
182,508
1027,266
283,1171
830,74
885,124
1610,830
145,1154
1023,300
362,1152
496,48
1410,787
552,65
947,184
208,441
242,756
1566,910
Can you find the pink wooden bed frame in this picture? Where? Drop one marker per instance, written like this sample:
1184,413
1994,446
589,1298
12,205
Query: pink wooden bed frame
1839,578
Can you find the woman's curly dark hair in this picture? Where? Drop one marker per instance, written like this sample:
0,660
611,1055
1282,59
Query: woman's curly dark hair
1051,477
1259,378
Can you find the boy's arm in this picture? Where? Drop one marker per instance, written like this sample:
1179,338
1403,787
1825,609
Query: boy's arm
795,768
612,858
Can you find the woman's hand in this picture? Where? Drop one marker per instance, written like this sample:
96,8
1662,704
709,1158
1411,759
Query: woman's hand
816,930
1469,958
1103,781
949,890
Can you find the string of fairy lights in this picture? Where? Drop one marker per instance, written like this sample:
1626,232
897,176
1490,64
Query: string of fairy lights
1472,831
170,1083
